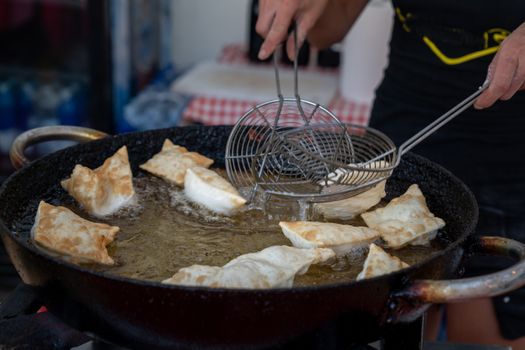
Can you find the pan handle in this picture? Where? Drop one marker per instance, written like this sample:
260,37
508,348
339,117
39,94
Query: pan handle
48,133
405,303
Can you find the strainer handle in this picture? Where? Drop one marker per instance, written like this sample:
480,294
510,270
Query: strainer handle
444,119
296,76
277,80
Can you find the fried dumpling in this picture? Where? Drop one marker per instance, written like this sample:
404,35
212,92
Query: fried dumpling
424,239
207,188
349,208
106,189
405,220
60,230
378,262
172,162
340,238
348,176
273,267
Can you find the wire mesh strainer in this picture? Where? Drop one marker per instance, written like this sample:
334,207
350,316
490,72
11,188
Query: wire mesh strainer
287,146
297,149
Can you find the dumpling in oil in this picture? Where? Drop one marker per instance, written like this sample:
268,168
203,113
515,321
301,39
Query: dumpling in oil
349,208
172,162
405,220
207,188
106,189
273,267
62,231
378,262
341,238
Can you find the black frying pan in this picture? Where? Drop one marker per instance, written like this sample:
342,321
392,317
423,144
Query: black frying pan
147,314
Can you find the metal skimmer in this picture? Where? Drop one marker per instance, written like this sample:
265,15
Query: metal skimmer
299,150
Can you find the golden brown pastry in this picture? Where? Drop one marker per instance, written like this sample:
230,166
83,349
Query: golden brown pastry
106,189
405,220
62,231
349,208
172,162
340,238
378,262
272,267
207,188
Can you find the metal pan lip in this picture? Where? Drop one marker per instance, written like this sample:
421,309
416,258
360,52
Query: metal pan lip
27,244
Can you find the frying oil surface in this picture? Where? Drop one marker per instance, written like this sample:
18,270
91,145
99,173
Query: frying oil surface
165,232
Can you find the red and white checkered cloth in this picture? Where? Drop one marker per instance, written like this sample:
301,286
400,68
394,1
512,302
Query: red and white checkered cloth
226,111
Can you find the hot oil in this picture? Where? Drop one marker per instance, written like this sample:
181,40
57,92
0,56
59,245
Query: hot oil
165,232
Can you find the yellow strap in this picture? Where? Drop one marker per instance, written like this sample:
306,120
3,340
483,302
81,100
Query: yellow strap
458,60
497,34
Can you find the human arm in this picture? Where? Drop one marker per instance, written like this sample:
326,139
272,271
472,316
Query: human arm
506,71
324,22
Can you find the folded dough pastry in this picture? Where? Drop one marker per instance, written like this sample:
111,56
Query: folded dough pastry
272,267
425,239
348,208
172,162
340,238
406,219
207,188
378,262
349,176
106,189
62,231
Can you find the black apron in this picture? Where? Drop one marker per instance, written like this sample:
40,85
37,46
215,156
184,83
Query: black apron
440,51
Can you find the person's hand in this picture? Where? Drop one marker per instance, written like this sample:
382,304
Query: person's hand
275,18
506,72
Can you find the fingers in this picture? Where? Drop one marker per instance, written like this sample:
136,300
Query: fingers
304,24
505,67
278,28
290,44
508,68
267,11
517,81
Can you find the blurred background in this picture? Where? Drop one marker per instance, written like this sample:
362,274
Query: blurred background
131,65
